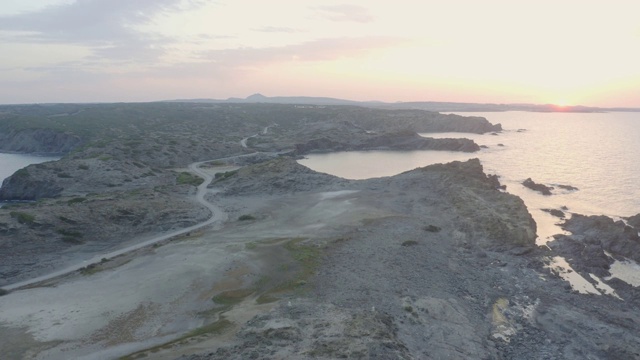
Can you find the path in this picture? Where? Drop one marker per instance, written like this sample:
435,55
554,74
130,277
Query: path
243,142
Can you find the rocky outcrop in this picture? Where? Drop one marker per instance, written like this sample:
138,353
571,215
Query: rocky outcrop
337,334
278,176
26,188
541,188
590,237
634,221
78,177
402,140
555,212
38,141
420,121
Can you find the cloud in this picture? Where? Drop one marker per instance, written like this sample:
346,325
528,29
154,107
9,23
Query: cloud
345,12
107,26
275,29
317,50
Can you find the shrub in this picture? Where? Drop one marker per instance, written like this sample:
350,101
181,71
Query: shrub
225,175
22,173
432,228
188,178
410,243
246,218
23,218
76,200
69,233
83,167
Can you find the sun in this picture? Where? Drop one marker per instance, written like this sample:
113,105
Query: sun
562,103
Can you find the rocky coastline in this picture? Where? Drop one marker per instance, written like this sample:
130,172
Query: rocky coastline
437,262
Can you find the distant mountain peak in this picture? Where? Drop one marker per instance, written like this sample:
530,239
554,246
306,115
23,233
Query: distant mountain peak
256,96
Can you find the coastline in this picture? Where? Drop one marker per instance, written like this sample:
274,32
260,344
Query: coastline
439,250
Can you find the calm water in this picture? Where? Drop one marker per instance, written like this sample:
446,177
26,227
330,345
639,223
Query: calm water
598,153
10,163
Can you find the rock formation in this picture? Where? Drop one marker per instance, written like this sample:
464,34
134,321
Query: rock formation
541,188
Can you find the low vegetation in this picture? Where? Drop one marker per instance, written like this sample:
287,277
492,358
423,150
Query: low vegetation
225,175
76,200
23,218
246,217
189,179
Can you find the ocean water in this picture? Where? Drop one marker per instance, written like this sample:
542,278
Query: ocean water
596,152
10,163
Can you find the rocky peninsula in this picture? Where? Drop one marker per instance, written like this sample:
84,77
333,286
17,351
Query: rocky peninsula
437,262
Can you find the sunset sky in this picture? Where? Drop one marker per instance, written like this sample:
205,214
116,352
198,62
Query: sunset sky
564,52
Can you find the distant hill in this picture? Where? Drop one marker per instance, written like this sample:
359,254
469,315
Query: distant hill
421,105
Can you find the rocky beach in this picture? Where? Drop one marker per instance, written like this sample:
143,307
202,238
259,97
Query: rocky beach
437,262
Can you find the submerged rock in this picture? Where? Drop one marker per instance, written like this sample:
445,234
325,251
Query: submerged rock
555,212
541,188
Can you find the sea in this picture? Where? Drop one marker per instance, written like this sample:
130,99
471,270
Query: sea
595,152
10,163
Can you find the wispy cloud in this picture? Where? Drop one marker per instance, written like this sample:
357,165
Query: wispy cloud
107,26
345,12
317,50
275,29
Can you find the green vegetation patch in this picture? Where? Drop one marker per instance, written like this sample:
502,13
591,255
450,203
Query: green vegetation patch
22,173
189,179
232,297
246,218
76,200
307,259
23,218
225,175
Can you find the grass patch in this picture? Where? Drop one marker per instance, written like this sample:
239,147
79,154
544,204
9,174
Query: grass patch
76,200
67,220
307,258
90,269
189,179
225,175
232,297
23,218
246,217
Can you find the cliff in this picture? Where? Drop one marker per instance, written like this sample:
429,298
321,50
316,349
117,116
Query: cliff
38,141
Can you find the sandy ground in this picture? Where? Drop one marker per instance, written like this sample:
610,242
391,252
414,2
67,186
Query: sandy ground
159,294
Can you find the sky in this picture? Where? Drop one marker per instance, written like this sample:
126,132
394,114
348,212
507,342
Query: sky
564,52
